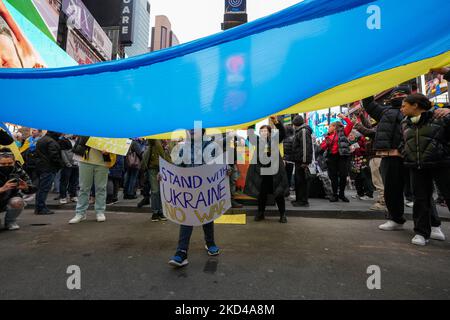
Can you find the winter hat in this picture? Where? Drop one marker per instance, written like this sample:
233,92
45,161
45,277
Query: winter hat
401,89
298,121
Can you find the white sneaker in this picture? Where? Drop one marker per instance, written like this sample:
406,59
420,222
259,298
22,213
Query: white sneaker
437,234
12,226
355,196
390,226
101,217
365,198
29,198
292,197
419,240
409,204
77,219
63,201
74,199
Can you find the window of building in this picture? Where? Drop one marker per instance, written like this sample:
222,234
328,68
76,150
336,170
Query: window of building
163,41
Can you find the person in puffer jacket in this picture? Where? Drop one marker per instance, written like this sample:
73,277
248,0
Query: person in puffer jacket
426,152
338,156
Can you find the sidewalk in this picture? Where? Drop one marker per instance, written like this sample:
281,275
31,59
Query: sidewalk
319,208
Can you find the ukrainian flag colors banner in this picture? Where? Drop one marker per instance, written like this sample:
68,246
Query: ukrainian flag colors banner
313,55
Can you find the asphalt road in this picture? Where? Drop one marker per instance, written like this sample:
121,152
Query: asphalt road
308,258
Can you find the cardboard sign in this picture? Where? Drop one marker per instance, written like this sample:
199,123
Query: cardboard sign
115,146
194,196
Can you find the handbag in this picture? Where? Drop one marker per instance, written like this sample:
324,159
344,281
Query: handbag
133,161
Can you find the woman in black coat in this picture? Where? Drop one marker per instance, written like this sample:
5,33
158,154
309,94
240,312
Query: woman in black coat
264,178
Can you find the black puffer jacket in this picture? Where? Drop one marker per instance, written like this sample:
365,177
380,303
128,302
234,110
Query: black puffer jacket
289,148
425,144
48,151
388,135
302,146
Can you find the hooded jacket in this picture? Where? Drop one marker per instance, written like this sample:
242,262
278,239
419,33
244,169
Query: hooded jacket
425,143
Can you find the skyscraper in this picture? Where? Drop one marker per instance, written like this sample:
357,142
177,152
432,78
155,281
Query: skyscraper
141,28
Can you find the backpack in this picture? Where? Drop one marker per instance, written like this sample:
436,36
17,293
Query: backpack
133,160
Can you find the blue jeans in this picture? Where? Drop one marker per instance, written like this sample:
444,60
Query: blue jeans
69,182
130,181
44,186
186,232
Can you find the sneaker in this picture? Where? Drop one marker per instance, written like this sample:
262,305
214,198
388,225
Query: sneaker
437,234
365,198
409,204
344,199
212,250
63,201
101,217
162,217
74,199
300,204
283,219
292,197
77,219
179,259
355,196
12,226
419,240
155,217
378,207
391,226
144,202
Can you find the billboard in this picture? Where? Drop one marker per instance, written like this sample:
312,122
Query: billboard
126,22
435,85
232,6
25,45
78,49
79,17
49,11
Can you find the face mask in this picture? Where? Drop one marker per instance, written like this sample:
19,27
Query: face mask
397,102
6,171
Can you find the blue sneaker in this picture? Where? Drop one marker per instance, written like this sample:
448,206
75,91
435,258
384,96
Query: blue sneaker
179,259
212,250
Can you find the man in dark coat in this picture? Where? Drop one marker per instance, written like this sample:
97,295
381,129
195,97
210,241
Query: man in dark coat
49,161
303,155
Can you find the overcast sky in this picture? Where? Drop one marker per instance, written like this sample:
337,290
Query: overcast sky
194,19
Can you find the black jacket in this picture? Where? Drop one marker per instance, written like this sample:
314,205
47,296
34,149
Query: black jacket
254,177
48,151
388,135
425,144
288,148
18,172
302,146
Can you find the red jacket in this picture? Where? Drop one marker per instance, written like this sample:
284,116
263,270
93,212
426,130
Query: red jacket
333,139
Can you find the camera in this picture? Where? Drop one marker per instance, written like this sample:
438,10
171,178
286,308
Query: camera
15,178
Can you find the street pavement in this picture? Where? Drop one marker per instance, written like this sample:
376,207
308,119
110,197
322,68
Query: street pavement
307,258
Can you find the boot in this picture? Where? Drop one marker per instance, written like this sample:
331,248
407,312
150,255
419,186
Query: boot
283,218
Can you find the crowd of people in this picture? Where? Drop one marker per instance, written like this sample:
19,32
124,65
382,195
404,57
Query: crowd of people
395,154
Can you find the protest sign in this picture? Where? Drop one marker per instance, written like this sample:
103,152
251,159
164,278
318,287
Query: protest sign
115,146
194,196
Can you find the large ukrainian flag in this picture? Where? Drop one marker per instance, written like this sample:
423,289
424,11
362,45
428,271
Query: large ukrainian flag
314,55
